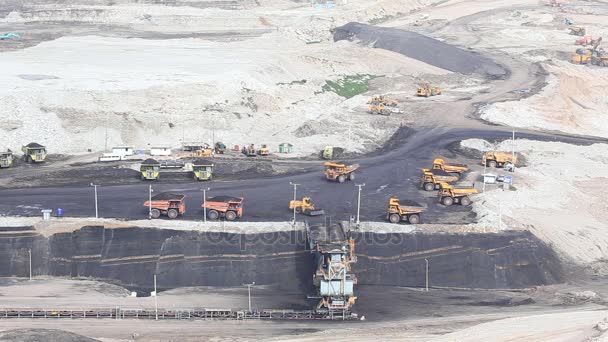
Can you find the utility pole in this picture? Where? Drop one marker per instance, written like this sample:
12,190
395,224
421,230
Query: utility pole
155,300
513,149
204,200
150,204
295,186
30,253
499,216
96,207
249,293
359,201
427,274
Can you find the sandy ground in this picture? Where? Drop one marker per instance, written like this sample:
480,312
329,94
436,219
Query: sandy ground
562,312
148,90
559,197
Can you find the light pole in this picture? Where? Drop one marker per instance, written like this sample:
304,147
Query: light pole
427,274
96,207
204,200
359,201
295,186
150,203
155,300
249,293
30,253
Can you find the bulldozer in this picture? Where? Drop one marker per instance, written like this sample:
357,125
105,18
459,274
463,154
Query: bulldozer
340,172
202,169
397,213
150,169
453,169
426,90
6,159
383,105
264,151
577,30
449,195
249,151
34,153
165,203
498,159
305,207
431,179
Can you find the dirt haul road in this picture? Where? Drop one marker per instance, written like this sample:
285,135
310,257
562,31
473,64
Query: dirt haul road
392,174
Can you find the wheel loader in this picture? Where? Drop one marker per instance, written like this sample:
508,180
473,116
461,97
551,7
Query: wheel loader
227,207
6,159
453,169
397,213
34,153
498,159
431,179
577,30
305,207
340,172
165,203
427,90
581,56
449,195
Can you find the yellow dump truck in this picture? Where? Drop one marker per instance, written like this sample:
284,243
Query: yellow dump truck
498,159
340,172
202,169
6,159
150,169
449,195
397,213
431,179
453,169
34,153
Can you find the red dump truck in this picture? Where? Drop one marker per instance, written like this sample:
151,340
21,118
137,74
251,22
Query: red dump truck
227,207
166,203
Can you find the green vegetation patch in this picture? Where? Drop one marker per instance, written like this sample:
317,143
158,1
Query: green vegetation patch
349,85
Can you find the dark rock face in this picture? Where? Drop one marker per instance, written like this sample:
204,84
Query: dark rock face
131,256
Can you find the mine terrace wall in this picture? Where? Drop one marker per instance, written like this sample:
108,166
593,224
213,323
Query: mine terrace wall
130,256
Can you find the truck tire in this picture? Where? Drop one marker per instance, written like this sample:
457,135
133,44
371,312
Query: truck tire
447,201
492,163
429,186
433,92
351,176
341,178
155,213
394,218
298,210
465,200
172,213
213,214
230,215
413,218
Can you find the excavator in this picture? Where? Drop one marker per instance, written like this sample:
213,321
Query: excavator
426,90
449,195
305,207
397,213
